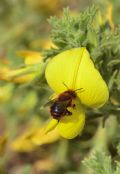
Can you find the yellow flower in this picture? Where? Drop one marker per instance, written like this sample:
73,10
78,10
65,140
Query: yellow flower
109,11
31,57
23,144
23,78
33,66
75,68
21,75
32,138
16,75
43,43
40,137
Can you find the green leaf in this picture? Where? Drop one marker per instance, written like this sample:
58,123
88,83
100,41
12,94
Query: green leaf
101,163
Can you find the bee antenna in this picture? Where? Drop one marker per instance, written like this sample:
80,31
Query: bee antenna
65,85
79,89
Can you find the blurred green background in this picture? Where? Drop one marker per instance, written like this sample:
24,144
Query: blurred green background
24,26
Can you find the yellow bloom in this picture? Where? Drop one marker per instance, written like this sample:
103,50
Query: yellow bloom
21,75
24,78
31,57
33,66
109,16
16,75
40,137
32,138
22,144
75,68
43,43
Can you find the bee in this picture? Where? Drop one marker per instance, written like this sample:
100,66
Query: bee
59,106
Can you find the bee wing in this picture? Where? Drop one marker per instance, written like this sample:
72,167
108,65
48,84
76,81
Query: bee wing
50,102
63,103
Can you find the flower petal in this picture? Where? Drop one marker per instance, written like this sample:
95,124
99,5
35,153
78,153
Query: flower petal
95,91
31,57
71,126
62,69
75,68
51,125
40,137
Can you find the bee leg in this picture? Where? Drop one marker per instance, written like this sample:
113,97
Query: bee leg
73,106
68,113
